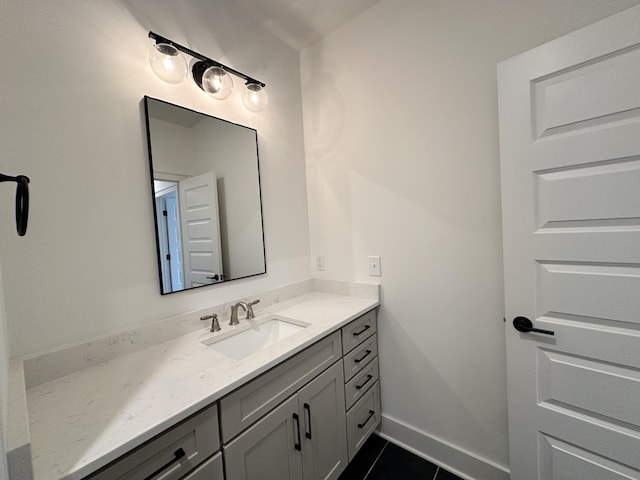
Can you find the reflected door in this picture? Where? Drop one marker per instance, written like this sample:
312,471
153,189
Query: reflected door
199,218
570,158
169,237
175,243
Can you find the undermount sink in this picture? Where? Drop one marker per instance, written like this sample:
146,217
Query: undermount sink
251,337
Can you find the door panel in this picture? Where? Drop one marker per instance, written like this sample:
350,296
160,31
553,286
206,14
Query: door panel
563,461
592,338
570,160
614,290
591,433
609,392
603,194
585,96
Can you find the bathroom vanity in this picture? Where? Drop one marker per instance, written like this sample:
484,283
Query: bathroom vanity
298,408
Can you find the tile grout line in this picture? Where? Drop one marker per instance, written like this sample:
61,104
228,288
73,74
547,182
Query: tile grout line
436,475
376,460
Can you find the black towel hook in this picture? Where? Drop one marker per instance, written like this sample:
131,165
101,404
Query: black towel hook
22,201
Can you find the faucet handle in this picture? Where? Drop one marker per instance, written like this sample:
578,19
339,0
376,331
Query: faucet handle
215,326
250,313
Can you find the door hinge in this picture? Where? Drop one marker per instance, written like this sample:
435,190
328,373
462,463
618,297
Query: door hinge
164,213
168,256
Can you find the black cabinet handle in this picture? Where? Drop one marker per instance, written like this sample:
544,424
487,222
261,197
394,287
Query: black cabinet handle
365,328
178,454
523,324
359,387
358,360
296,433
307,409
361,425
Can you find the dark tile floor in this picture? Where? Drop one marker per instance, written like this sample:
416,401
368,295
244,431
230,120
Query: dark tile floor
382,460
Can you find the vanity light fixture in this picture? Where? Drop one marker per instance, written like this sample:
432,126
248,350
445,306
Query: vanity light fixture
254,97
168,63
212,79
211,76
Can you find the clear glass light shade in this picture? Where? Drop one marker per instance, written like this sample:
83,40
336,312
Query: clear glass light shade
217,83
168,63
254,97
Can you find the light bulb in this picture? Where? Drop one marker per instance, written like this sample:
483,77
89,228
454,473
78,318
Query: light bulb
254,97
217,83
168,63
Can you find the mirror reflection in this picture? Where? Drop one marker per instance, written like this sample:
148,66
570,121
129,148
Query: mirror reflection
206,193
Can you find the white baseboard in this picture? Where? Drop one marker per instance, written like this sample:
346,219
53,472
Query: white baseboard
458,461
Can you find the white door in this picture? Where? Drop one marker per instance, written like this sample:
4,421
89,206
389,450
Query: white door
174,243
200,230
570,157
169,240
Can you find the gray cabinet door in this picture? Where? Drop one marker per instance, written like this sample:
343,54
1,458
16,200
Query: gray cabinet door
324,435
270,449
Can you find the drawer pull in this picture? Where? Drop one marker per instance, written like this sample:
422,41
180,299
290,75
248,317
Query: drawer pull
307,409
361,425
359,387
358,360
364,329
296,433
178,454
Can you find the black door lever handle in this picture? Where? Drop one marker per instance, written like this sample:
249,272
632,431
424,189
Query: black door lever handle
523,324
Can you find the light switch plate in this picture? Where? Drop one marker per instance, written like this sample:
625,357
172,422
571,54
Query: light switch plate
374,266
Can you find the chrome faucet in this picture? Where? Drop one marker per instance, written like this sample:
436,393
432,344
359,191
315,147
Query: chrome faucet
234,312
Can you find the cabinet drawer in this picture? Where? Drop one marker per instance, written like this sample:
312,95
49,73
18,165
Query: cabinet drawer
172,454
361,382
249,403
362,419
357,331
209,470
356,360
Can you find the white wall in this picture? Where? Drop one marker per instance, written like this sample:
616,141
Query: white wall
72,119
401,136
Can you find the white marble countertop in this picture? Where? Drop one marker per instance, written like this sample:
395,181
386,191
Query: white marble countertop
84,420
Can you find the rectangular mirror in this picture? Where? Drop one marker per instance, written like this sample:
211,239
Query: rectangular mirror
205,182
